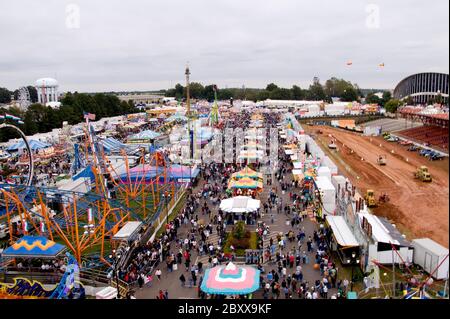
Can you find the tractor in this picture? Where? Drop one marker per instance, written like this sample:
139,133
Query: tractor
423,174
370,198
381,160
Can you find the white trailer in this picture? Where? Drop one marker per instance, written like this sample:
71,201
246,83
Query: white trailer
328,194
430,255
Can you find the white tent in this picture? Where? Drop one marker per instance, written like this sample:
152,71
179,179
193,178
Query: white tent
240,204
297,165
344,236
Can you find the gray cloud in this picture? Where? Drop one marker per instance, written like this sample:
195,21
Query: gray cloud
142,45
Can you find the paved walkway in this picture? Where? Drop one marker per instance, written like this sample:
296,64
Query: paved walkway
171,283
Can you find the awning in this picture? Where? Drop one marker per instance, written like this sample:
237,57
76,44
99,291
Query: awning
342,233
34,247
289,152
127,231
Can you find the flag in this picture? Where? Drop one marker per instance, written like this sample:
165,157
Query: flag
9,116
2,117
42,227
20,122
89,116
25,226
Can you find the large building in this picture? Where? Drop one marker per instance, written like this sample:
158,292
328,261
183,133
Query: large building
47,90
422,87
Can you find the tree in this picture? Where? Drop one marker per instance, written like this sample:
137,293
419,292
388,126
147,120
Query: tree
196,90
409,100
297,93
270,87
371,98
349,95
280,94
392,105
5,95
33,93
316,92
179,91
387,96
342,89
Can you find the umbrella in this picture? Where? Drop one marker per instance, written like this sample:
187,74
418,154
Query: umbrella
230,280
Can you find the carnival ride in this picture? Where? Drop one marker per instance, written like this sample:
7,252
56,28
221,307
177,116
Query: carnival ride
24,138
68,287
85,222
418,283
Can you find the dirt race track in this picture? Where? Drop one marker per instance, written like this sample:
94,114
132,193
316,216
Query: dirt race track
418,209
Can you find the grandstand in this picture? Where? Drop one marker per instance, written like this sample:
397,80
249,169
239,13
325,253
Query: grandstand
391,125
434,136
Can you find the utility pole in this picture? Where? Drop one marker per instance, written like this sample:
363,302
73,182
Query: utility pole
188,99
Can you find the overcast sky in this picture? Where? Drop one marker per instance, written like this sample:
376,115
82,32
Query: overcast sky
144,45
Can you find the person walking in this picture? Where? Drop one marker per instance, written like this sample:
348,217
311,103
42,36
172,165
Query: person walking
141,280
158,273
182,280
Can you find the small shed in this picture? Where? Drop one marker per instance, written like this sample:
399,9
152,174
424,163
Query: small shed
432,257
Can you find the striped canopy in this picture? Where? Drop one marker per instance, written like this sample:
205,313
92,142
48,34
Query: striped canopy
34,145
245,183
247,172
231,280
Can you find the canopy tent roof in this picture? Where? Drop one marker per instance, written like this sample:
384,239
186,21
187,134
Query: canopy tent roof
245,183
34,145
128,230
34,247
147,173
240,204
342,233
231,280
111,145
289,152
177,117
247,172
297,165
145,135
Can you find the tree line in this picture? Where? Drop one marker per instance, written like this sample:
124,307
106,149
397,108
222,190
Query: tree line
40,119
334,87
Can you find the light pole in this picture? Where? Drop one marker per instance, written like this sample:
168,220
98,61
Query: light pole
115,258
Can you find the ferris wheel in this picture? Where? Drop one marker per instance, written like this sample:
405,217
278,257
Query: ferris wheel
24,98
27,146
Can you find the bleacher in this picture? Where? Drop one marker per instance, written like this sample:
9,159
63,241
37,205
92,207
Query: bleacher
392,125
430,135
